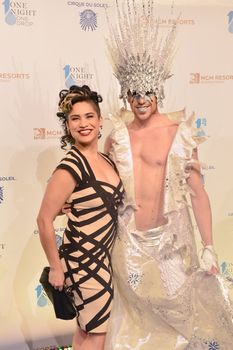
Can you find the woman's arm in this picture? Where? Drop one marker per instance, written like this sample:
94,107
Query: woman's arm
58,190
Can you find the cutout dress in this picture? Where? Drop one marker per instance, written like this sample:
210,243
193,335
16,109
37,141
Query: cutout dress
88,240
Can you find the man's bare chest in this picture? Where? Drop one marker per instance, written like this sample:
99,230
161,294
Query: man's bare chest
151,151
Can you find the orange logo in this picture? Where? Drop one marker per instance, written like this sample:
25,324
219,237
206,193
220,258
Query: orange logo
167,22
7,76
198,78
194,78
39,133
43,133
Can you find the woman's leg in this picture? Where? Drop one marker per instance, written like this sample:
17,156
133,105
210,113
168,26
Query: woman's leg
94,341
78,339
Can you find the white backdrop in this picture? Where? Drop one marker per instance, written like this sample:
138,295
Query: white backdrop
49,45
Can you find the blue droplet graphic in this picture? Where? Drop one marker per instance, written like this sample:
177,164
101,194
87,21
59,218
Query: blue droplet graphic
10,18
230,27
224,267
230,22
42,301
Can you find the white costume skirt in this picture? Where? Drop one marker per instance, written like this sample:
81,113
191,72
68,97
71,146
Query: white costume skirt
162,299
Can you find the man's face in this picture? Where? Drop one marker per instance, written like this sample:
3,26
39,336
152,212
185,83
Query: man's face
143,107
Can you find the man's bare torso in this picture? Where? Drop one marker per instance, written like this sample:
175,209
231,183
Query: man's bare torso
150,147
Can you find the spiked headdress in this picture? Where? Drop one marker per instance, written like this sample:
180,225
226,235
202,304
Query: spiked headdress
141,57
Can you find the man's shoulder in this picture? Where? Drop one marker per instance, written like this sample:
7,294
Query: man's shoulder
175,116
164,120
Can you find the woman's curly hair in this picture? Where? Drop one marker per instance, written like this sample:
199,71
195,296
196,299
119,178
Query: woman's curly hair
67,98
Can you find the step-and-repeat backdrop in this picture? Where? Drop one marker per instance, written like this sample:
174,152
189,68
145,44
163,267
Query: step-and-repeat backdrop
50,45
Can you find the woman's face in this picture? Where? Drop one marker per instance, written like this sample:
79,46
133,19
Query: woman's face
84,123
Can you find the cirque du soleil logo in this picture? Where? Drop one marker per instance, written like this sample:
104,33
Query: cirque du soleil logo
2,188
88,20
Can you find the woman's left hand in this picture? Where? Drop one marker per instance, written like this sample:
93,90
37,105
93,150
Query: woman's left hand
56,278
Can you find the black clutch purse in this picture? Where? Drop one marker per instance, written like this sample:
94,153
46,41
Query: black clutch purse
61,300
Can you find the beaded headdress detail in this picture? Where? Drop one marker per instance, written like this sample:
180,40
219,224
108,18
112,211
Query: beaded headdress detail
141,58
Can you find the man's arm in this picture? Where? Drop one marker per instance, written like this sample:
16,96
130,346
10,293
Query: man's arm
200,203
201,206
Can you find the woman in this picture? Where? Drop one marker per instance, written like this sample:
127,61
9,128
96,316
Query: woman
88,181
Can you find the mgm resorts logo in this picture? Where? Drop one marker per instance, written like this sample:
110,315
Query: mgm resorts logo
10,76
18,12
43,133
198,78
168,22
75,75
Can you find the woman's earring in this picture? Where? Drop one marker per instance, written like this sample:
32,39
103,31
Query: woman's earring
67,129
100,134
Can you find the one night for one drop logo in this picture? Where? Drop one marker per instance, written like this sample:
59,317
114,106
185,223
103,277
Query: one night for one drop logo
76,75
17,12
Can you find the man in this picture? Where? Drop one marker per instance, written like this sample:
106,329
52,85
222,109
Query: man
162,300
151,136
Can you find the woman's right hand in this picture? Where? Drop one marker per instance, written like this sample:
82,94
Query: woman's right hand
56,278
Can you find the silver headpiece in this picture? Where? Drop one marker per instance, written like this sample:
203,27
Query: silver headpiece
141,58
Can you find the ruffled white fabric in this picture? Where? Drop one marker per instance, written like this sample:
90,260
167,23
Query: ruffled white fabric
163,300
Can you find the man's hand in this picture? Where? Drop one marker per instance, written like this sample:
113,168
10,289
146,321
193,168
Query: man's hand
66,209
209,260
213,271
